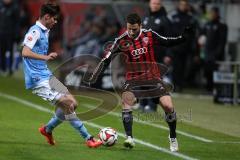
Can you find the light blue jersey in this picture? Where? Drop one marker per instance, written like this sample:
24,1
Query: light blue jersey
36,71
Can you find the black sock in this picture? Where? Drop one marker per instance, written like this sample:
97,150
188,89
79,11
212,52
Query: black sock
127,119
171,119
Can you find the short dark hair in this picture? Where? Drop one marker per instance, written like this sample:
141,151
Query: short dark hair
51,9
133,18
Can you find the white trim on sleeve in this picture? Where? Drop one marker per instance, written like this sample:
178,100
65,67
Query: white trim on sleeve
31,38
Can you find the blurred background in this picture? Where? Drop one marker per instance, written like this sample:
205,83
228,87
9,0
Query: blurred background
208,64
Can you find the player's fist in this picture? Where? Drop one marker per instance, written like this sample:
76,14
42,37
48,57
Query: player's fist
51,56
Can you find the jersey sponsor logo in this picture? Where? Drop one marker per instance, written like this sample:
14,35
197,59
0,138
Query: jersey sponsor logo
138,52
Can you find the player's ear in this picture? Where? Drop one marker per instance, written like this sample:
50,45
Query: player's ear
47,16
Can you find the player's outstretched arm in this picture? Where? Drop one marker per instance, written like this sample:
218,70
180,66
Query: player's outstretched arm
172,41
102,65
26,52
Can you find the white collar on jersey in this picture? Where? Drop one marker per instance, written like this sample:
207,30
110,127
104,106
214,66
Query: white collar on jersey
41,26
138,34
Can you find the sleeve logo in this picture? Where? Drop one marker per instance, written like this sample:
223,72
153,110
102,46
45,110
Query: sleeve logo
29,38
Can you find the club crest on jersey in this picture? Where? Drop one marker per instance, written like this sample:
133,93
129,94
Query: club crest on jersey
145,40
138,52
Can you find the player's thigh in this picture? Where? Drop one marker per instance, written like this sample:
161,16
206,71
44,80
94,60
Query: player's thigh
67,97
44,91
166,103
58,86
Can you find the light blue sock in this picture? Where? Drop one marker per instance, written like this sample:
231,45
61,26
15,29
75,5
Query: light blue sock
53,123
79,126
57,119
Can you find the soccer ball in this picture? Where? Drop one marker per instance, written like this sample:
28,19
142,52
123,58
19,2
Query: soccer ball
108,136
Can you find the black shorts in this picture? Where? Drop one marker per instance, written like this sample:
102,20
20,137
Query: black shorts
148,89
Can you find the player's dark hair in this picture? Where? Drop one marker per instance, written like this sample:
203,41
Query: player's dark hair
133,18
51,9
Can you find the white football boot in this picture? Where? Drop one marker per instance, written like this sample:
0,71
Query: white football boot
129,143
173,144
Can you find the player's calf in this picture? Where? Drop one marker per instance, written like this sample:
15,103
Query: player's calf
171,119
128,100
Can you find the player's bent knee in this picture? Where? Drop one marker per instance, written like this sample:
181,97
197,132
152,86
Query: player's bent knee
166,103
168,108
128,99
74,104
67,104
73,101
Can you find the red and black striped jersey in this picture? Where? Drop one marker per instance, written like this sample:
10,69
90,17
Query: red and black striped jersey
140,62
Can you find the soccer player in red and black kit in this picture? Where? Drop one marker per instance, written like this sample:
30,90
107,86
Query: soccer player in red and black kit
137,45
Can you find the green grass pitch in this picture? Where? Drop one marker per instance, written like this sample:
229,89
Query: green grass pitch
219,125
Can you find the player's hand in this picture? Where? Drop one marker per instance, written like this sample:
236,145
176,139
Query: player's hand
51,56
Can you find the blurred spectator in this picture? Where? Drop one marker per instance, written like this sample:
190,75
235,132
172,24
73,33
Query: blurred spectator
94,33
156,19
214,40
24,20
182,54
194,73
9,25
202,14
90,42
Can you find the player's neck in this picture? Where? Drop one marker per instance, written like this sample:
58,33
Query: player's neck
42,22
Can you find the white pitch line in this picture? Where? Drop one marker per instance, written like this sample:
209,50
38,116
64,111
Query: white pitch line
43,109
155,125
26,103
228,142
147,144
190,96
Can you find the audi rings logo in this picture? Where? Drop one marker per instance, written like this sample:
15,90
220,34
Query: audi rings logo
137,52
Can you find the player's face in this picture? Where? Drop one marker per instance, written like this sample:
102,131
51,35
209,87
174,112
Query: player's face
133,29
213,15
183,6
50,21
155,5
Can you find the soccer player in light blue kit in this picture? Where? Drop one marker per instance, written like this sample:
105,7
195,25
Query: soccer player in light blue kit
38,76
